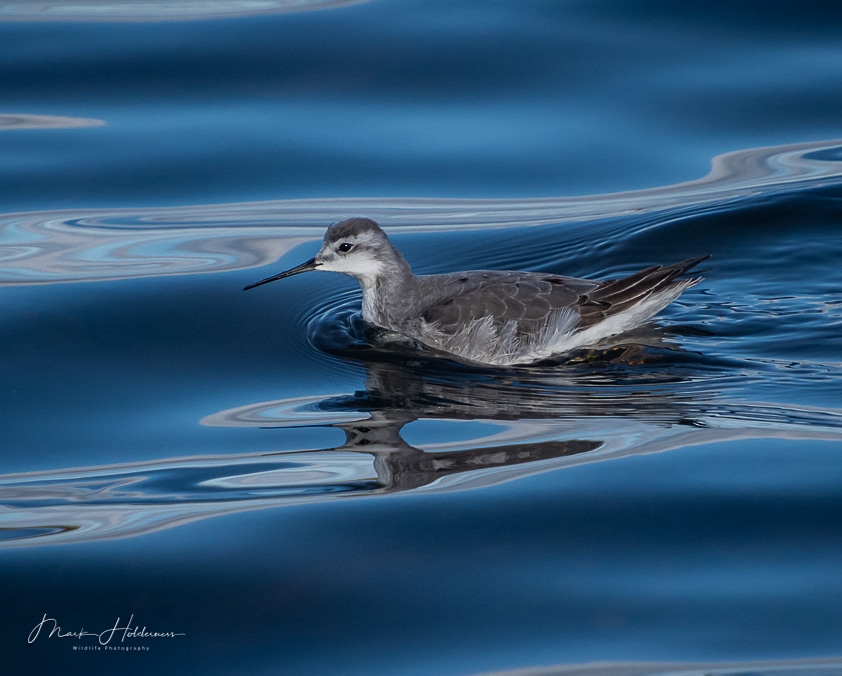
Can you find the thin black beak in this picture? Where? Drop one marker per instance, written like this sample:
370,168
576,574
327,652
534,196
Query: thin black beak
306,266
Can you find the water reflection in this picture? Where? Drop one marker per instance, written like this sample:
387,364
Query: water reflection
519,423
479,427
9,121
808,667
156,10
67,246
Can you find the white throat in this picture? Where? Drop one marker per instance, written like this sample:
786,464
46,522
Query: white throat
362,266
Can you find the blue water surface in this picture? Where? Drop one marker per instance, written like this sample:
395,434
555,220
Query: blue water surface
201,480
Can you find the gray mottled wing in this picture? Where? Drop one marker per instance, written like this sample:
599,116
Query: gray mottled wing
527,298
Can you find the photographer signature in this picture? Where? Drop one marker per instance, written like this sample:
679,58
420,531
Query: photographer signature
50,628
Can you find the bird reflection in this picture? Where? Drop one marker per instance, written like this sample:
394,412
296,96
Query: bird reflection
402,467
400,391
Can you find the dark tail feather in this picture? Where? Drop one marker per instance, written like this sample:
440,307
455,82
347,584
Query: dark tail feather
683,266
616,295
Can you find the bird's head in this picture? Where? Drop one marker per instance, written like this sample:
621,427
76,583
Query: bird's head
356,247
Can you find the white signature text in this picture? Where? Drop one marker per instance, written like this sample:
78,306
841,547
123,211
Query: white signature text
50,628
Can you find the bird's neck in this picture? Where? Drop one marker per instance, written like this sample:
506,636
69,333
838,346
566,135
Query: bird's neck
385,294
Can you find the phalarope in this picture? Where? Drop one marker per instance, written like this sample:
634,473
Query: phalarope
492,317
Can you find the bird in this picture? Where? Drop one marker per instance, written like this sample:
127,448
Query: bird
489,317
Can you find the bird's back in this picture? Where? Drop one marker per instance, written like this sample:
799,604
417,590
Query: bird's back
527,298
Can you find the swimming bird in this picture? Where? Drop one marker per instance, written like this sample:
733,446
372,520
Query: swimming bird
495,317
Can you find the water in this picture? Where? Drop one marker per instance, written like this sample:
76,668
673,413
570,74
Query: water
246,475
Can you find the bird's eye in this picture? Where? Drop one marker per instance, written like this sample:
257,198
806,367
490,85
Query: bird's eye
345,247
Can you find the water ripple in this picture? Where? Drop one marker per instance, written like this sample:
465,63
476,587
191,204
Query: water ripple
809,667
700,382
12,121
156,10
517,426
64,246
